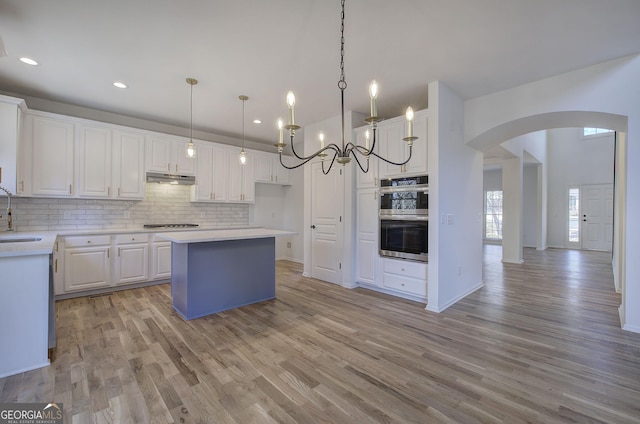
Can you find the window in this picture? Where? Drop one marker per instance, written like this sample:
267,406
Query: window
493,214
595,131
574,215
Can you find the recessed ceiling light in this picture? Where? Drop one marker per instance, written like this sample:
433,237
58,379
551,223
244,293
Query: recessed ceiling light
257,121
28,61
120,84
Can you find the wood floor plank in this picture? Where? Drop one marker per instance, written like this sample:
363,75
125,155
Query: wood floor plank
539,343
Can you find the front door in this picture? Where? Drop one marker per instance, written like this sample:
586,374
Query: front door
597,216
326,223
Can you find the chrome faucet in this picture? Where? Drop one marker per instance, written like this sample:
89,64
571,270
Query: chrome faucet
9,220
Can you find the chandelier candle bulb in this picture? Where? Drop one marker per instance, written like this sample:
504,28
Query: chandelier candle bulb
291,102
280,131
321,137
409,121
373,94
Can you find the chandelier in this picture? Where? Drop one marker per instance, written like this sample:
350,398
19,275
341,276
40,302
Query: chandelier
342,153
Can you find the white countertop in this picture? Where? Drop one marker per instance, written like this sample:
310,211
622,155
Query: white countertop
222,235
181,235
42,247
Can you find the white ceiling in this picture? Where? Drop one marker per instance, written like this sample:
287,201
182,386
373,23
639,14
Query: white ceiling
265,48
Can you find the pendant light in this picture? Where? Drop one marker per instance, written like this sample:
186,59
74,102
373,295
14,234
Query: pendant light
191,148
243,155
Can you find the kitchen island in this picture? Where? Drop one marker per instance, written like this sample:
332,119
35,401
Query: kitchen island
213,271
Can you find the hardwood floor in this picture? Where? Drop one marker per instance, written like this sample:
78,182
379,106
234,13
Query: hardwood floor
540,343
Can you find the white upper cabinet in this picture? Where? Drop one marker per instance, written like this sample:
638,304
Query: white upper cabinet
166,154
370,178
110,163
212,164
52,156
393,147
241,179
10,126
94,161
267,169
128,165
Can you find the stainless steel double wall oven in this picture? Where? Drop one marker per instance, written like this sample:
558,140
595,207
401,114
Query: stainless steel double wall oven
404,218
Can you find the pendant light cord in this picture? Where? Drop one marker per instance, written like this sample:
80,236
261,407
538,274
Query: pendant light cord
342,83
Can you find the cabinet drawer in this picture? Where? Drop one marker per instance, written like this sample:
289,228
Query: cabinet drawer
406,284
132,238
410,269
82,241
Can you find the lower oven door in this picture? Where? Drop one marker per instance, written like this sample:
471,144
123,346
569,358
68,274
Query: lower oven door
405,237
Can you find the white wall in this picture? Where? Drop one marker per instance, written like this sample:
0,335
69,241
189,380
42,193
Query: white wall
455,185
573,161
492,179
605,96
294,215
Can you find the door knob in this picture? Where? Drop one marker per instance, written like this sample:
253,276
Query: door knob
584,220
313,227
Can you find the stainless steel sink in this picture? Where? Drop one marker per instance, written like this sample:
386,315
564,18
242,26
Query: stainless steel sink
19,239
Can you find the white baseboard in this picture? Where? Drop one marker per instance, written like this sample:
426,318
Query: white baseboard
392,292
431,308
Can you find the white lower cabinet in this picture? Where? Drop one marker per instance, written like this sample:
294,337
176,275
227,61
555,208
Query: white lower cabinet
161,259
87,262
405,276
132,260
100,262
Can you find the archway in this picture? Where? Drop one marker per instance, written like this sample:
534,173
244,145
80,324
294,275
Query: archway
497,135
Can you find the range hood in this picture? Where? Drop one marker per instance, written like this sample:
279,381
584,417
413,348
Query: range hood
159,177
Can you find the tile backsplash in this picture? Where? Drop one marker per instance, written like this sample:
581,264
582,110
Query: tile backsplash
164,203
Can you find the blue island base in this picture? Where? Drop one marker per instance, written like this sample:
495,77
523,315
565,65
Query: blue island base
214,276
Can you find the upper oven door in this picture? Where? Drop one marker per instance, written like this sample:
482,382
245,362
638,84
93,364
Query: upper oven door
404,202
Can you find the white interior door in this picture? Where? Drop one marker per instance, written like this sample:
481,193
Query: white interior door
597,216
326,223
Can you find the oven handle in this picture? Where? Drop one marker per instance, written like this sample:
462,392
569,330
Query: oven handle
404,217
405,189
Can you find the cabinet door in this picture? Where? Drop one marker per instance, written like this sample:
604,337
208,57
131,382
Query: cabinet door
367,234
94,162
52,157
262,167
370,178
419,159
203,190
282,174
241,182
128,159
9,132
392,147
220,177
248,181
86,268
161,263
132,263
181,164
158,155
